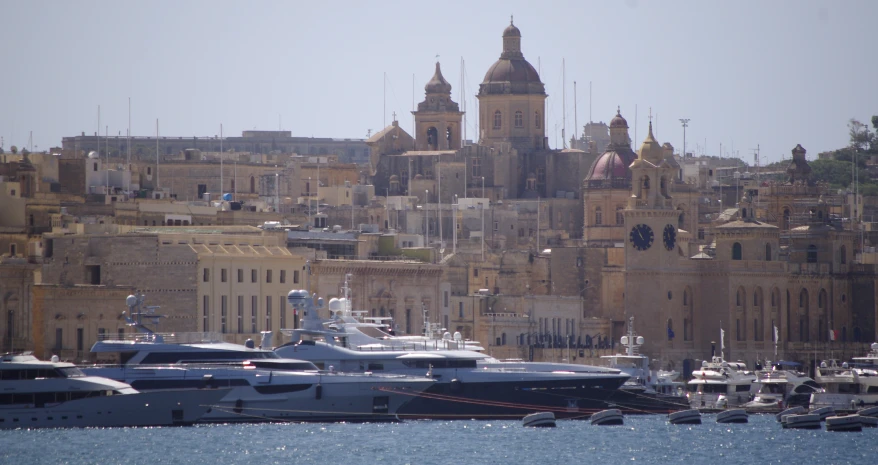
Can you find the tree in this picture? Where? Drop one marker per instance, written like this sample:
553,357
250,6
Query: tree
861,137
837,173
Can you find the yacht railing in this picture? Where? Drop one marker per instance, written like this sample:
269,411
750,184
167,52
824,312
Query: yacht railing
168,338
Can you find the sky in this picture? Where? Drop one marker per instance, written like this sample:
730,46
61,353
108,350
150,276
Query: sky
746,74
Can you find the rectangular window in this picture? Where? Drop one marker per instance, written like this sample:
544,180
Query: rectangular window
283,276
206,276
80,339
475,272
295,276
223,276
59,338
240,313
445,300
477,167
204,310
121,334
240,275
283,312
268,313
254,308
224,312
102,334
460,310
267,276
496,226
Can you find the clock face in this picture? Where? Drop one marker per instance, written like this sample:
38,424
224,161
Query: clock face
641,236
669,237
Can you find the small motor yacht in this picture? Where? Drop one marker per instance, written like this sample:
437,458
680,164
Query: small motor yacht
799,410
823,412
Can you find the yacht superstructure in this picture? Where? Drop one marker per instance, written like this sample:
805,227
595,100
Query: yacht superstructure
469,384
263,386
719,384
53,394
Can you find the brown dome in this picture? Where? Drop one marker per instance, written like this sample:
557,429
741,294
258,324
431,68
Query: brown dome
618,121
512,76
612,164
511,31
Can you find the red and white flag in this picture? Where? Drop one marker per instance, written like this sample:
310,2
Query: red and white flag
833,335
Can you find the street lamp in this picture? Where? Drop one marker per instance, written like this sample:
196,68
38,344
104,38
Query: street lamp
685,122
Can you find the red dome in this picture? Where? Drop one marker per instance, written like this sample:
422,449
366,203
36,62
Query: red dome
618,121
612,164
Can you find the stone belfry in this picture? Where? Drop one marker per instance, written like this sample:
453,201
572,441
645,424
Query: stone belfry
650,219
437,119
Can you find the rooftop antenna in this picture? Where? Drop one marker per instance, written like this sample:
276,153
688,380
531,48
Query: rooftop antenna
756,160
222,185
563,103
157,153
128,146
575,118
685,122
589,104
384,100
107,148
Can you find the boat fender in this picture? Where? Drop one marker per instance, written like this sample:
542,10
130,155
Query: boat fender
456,386
318,391
239,406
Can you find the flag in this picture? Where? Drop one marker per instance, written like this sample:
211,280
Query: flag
670,333
833,334
776,338
722,341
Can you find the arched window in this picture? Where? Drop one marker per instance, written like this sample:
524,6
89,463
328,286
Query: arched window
670,329
768,252
538,121
598,217
786,219
757,297
685,298
856,334
519,119
812,253
843,255
498,119
681,220
737,251
620,218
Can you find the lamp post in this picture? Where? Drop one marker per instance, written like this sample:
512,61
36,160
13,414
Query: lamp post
685,122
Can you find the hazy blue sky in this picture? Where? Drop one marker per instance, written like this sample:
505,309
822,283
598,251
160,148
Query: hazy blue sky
774,73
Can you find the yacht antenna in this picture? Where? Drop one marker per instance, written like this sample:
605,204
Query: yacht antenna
630,346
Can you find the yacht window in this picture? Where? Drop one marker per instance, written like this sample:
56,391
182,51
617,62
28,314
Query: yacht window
376,366
70,372
159,358
742,388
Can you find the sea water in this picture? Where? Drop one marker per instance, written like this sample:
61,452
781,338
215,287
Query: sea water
643,439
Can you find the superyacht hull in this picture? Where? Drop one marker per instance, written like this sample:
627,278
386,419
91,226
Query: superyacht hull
165,408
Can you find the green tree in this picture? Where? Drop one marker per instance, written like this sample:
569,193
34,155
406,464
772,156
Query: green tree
861,137
837,173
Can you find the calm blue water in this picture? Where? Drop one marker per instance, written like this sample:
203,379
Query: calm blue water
646,439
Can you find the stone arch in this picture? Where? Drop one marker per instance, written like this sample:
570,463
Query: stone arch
681,217
737,251
433,138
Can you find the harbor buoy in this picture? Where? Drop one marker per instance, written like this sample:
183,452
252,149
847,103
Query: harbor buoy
803,421
608,417
685,417
736,415
542,419
844,423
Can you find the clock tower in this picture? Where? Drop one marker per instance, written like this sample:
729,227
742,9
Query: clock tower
650,219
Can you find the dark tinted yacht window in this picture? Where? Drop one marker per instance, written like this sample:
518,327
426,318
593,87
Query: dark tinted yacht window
162,358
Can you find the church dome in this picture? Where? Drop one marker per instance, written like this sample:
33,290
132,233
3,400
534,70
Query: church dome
511,31
618,121
612,164
438,84
511,74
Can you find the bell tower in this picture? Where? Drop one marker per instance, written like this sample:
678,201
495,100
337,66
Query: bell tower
438,118
650,219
